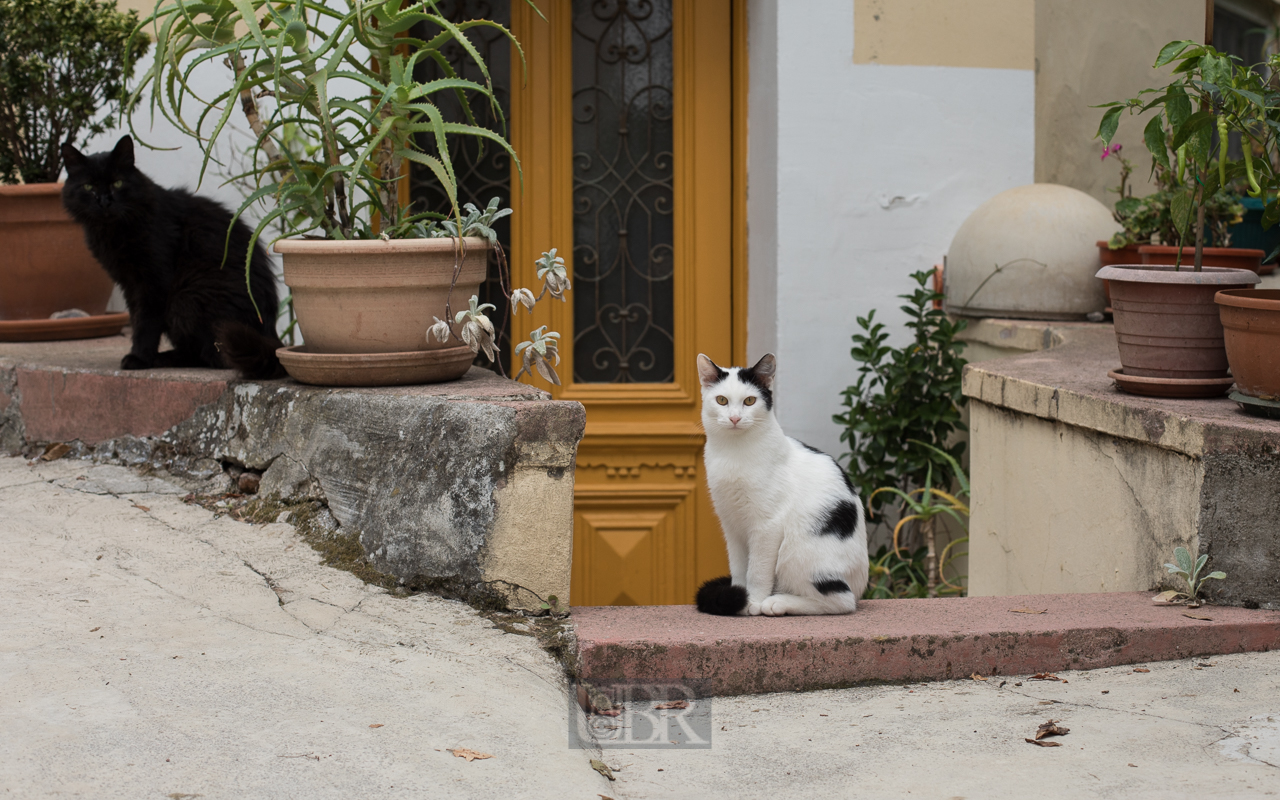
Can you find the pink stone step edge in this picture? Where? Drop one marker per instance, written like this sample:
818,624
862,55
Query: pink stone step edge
896,641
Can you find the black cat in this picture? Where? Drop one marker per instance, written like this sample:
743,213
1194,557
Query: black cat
165,248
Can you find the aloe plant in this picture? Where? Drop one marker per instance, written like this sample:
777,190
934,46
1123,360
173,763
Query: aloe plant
341,72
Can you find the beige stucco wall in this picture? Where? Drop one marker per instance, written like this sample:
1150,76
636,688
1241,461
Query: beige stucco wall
1059,509
944,33
1096,51
529,553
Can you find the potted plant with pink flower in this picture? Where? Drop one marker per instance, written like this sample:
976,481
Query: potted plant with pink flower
1168,330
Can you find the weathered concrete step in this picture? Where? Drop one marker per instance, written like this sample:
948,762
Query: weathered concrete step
904,641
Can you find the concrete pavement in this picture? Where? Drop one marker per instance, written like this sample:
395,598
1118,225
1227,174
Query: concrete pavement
151,650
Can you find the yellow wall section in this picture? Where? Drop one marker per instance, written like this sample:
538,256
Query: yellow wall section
945,33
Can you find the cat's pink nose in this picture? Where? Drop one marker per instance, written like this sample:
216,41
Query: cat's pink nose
734,420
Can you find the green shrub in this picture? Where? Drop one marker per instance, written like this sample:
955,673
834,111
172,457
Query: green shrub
61,62
904,394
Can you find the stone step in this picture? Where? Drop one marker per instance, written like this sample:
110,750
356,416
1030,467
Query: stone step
894,641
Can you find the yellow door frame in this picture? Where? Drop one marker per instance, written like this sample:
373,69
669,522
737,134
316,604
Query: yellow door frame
640,473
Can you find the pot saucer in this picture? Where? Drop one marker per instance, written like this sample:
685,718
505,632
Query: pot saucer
1257,406
375,369
1171,387
44,330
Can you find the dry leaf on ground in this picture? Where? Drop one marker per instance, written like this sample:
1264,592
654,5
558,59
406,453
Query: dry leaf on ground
1194,615
602,768
1044,676
1051,728
1029,610
977,677
1042,744
1169,598
469,755
140,507
376,725
55,451
1141,669
672,704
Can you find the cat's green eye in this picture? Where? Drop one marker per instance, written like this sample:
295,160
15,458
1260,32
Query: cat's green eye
722,400
88,187
750,401
117,184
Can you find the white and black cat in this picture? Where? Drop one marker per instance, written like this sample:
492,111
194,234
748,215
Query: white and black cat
792,520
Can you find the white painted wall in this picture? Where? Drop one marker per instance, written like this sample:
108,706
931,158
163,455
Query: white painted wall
857,176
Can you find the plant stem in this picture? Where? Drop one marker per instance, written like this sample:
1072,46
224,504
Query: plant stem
1200,233
931,560
250,108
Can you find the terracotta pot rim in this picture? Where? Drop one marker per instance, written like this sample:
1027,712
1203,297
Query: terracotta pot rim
369,247
1163,273
30,189
1241,252
1260,299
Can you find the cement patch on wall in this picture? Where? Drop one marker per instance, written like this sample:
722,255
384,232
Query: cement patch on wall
1059,509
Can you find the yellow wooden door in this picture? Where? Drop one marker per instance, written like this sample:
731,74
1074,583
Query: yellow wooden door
625,126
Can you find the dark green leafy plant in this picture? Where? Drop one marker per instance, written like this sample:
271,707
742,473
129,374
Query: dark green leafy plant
1148,220
61,62
1209,92
904,394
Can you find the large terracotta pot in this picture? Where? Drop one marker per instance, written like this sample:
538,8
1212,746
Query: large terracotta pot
1166,321
1121,255
1230,257
369,298
1251,319
45,266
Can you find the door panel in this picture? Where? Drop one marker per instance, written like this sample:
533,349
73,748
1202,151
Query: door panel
644,198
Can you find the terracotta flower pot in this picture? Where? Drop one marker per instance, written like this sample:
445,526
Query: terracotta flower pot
376,297
46,266
1229,257
1166,321
1251,319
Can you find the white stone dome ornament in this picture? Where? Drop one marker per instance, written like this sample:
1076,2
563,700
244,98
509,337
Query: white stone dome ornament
1029,253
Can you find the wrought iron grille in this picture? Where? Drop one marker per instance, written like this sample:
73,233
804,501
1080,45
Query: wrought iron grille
483,172
623,232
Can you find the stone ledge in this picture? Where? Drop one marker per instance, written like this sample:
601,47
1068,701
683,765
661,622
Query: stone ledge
468,483
1078,486
1069,384
888,641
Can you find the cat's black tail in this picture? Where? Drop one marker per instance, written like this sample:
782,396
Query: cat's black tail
249,352
720,596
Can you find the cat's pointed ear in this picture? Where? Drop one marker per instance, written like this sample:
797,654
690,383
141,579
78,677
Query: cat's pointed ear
708,373
765,369
71,157
122,153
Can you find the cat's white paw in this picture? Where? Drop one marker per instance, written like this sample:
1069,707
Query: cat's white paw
753,609
775,606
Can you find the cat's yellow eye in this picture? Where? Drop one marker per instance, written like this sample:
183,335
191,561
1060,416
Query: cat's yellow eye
722,400
88,187
750,401
117,184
